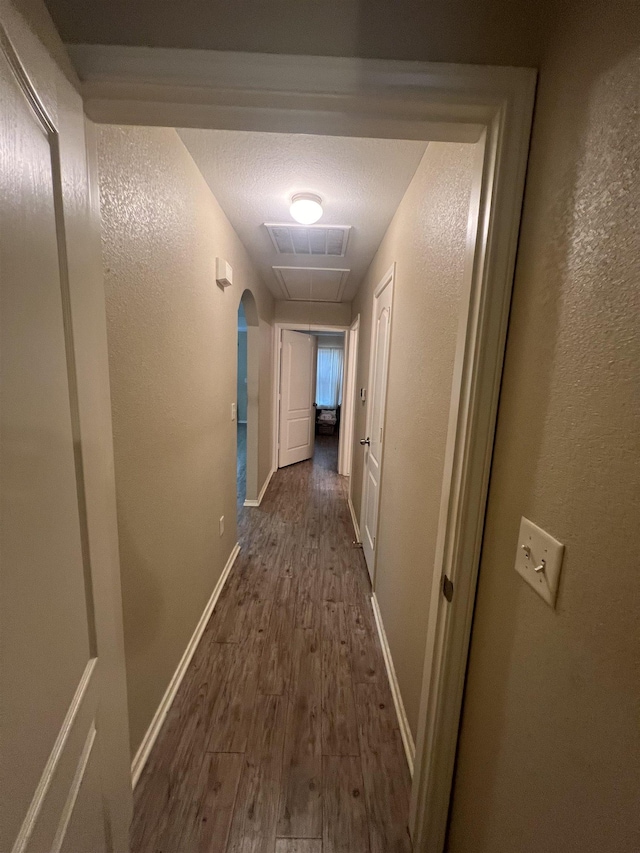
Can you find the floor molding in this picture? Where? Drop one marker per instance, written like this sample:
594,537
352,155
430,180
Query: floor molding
141,756
405,731
262,491
356,526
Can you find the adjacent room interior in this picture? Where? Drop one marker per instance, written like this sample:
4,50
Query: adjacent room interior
309,381
329,383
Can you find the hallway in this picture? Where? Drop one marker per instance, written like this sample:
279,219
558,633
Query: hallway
284,726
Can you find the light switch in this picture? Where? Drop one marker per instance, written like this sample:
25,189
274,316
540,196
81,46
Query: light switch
539,559
233,411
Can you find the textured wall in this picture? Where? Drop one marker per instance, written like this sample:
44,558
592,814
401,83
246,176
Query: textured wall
550,749
172,358
427,240
320,313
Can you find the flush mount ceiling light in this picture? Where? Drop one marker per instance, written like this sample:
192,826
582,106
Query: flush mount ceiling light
306,208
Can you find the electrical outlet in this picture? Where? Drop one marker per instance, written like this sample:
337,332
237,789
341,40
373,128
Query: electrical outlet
233,411
221,525
539,559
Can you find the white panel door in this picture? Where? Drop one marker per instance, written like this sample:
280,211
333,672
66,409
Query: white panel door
374,440
297,397
54,761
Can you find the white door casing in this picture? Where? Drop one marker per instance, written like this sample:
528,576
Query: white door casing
65,759
297,397
349,399
373,450
413,100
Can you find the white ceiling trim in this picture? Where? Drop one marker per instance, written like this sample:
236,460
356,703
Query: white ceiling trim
337,96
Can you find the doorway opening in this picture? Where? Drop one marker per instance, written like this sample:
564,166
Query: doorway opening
330,370
241,407
489,106
313,381
247,402
329,398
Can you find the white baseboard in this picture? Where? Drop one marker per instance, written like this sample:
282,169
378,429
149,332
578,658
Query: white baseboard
356,526
141,756
405,731
262,490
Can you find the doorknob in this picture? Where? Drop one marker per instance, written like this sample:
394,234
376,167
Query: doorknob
365,441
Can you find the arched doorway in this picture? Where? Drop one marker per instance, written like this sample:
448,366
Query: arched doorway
247,401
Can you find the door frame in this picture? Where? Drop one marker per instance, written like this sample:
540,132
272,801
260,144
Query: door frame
392,99
277,349
387,280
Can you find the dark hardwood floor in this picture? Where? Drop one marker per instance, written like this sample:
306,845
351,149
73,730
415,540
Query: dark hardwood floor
283,736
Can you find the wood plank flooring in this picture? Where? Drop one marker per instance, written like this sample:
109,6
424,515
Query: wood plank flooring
283,736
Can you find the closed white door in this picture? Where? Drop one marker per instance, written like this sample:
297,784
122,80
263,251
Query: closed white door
374,440
56,758
297,397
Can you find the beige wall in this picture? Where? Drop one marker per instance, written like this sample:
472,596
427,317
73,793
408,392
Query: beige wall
549,755
426,239
172,359
318,313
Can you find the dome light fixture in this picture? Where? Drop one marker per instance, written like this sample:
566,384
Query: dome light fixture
306,208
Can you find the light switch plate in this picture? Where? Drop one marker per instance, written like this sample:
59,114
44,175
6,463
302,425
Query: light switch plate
539,560
233,411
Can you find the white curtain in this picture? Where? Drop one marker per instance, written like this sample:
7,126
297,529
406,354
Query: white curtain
329,378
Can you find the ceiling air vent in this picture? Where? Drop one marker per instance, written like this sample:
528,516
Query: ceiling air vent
309,239
312,284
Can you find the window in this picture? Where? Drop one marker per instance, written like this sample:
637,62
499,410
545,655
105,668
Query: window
329,378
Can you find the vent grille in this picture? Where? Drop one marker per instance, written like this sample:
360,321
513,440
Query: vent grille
318,240
312,284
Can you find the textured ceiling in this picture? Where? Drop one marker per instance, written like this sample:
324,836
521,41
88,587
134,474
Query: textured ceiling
254,175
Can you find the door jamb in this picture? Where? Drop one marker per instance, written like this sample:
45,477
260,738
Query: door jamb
350,96
352,337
